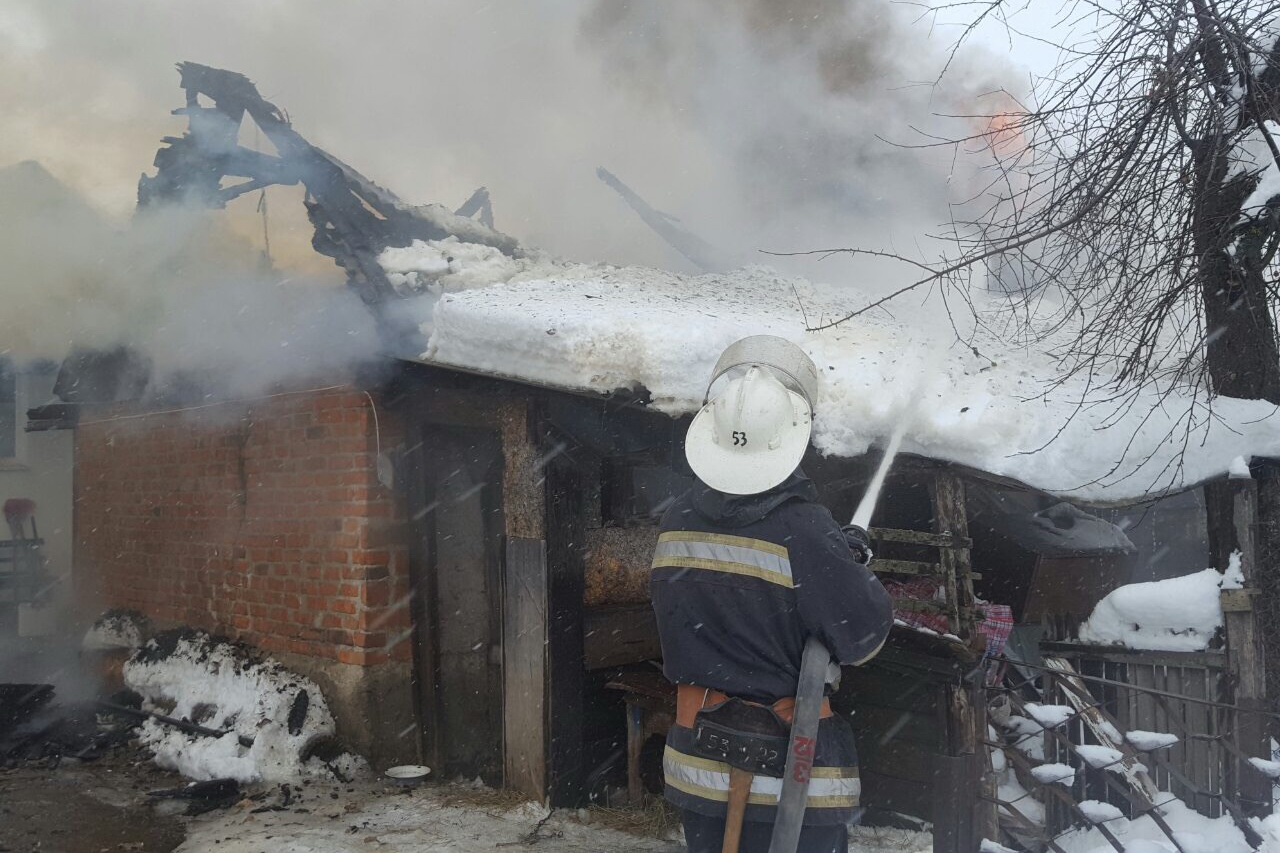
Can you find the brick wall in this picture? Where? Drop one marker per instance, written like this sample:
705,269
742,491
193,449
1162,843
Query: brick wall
262,521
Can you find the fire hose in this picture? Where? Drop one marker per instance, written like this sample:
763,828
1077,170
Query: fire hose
813,679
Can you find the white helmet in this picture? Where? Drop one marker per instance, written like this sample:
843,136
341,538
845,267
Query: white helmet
753,435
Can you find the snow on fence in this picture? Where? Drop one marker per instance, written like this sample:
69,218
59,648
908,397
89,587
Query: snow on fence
1150,740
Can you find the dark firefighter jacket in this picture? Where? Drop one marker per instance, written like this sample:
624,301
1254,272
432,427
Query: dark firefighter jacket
739,583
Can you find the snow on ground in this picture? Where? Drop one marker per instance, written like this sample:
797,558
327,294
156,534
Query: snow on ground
1195,832
984,403
1178,615
369,817
218,686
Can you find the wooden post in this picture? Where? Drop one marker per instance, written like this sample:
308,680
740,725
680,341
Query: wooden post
987,813
956,784
524,666
950,516
1245,661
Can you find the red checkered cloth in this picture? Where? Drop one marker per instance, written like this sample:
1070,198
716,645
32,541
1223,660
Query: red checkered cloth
996,624
920,589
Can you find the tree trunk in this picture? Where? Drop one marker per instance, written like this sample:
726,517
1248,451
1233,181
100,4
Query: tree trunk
1242,361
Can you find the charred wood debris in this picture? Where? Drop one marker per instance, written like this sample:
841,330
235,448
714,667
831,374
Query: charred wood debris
354,218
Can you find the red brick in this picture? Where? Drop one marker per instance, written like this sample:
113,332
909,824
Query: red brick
369,641
375,594
161,517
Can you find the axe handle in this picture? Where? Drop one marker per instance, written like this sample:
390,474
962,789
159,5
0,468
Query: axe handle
739,791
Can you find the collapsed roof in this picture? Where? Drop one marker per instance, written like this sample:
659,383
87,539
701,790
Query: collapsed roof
501,309
354,218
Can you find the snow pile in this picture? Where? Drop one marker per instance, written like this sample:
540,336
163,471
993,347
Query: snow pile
1063,774
986,403
192,677
436,266
1177,615
1147,741
1049,716
1239,469
115,630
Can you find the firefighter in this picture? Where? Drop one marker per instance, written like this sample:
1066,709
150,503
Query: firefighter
748,566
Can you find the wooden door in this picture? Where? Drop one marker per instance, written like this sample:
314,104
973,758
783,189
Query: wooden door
460,602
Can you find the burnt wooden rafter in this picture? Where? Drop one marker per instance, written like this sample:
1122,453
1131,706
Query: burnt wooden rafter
354,218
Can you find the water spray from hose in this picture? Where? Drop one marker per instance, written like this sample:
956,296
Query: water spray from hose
867,506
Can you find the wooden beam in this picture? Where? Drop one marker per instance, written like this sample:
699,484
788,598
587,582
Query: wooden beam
957,780
919,537
950,518
913,605
524,667
905,567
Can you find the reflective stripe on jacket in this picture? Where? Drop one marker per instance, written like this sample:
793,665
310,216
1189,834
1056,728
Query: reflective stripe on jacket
702,784
829,787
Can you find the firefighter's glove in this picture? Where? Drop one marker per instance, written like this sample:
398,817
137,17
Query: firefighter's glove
859,542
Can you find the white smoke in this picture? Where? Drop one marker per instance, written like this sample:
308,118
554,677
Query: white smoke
177,286
761,123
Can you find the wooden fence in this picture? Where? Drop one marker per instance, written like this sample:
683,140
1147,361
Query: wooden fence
1199,767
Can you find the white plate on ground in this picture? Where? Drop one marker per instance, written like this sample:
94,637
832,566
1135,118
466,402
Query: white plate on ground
407,774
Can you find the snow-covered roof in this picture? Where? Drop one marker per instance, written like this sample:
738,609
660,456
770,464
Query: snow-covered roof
983,403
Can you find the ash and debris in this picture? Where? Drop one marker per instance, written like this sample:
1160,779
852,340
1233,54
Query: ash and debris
117,628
